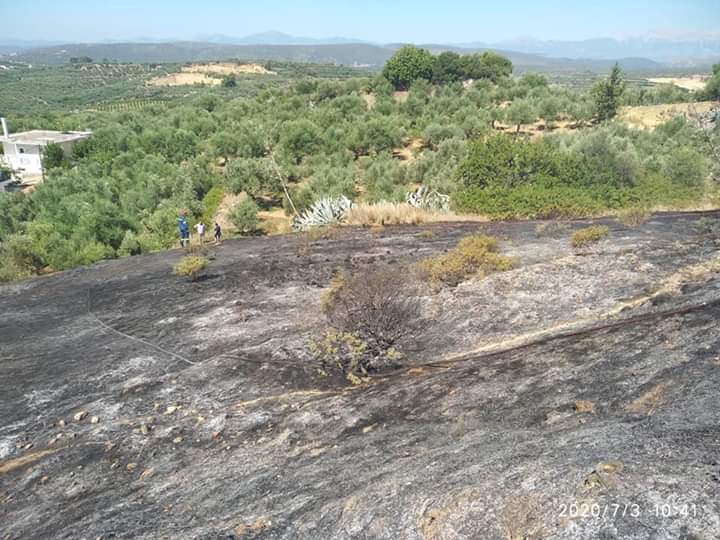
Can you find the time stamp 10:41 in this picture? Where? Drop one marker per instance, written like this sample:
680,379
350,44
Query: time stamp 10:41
611,510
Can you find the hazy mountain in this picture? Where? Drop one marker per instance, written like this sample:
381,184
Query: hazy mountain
11,44
682,52
276,38
654,48
350,54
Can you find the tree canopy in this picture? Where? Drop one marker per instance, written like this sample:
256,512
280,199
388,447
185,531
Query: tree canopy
407,65
410,64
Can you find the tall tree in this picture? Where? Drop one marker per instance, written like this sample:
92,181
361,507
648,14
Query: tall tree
607,93
712,88
53,156
407,65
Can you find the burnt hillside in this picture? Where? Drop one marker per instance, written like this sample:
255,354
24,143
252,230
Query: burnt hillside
136,404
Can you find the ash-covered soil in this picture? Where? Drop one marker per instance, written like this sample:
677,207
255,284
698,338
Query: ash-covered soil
575,396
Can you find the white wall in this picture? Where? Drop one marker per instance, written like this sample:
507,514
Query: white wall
29,160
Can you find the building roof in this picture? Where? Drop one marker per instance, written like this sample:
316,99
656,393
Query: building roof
43,137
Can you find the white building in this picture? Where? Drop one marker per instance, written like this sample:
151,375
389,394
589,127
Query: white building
23,151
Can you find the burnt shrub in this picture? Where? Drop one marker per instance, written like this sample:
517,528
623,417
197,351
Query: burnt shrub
381,308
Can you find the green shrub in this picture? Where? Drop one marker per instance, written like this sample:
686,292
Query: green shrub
533,201
685,166
474,256
589,235
190,267
244,216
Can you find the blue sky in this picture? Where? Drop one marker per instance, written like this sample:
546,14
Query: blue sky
447,21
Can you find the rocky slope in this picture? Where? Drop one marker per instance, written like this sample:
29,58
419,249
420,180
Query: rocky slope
575,396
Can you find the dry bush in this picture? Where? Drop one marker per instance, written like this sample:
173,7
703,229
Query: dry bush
385,213
190,267
633,217
475,255
380,307
589,235
369,215
553,229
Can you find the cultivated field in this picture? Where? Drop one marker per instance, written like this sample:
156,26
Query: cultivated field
695,82
651,116
207,74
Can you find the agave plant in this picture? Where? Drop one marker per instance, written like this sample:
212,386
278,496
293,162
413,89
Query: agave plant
325,211
427,199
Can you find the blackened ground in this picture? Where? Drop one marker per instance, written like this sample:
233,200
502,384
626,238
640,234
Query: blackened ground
579,378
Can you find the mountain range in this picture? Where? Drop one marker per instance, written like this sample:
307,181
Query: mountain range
633,54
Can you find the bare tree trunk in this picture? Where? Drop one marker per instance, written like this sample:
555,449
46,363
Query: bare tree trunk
283,184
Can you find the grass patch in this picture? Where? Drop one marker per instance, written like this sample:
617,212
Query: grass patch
633,217
190,267
385,213
589,235
475,255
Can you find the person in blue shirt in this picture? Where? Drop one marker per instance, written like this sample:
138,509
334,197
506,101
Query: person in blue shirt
184,229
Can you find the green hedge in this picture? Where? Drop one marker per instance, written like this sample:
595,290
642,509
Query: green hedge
554,201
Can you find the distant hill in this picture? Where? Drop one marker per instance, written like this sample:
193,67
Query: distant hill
685,51
346,54
350,54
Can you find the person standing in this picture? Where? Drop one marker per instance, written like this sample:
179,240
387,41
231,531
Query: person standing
200,229
217,233
184,229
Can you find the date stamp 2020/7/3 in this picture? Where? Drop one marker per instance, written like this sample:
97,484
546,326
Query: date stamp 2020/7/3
632,510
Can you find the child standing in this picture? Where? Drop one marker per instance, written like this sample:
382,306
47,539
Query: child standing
217,233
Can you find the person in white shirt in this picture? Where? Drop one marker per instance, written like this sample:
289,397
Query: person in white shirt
200,229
